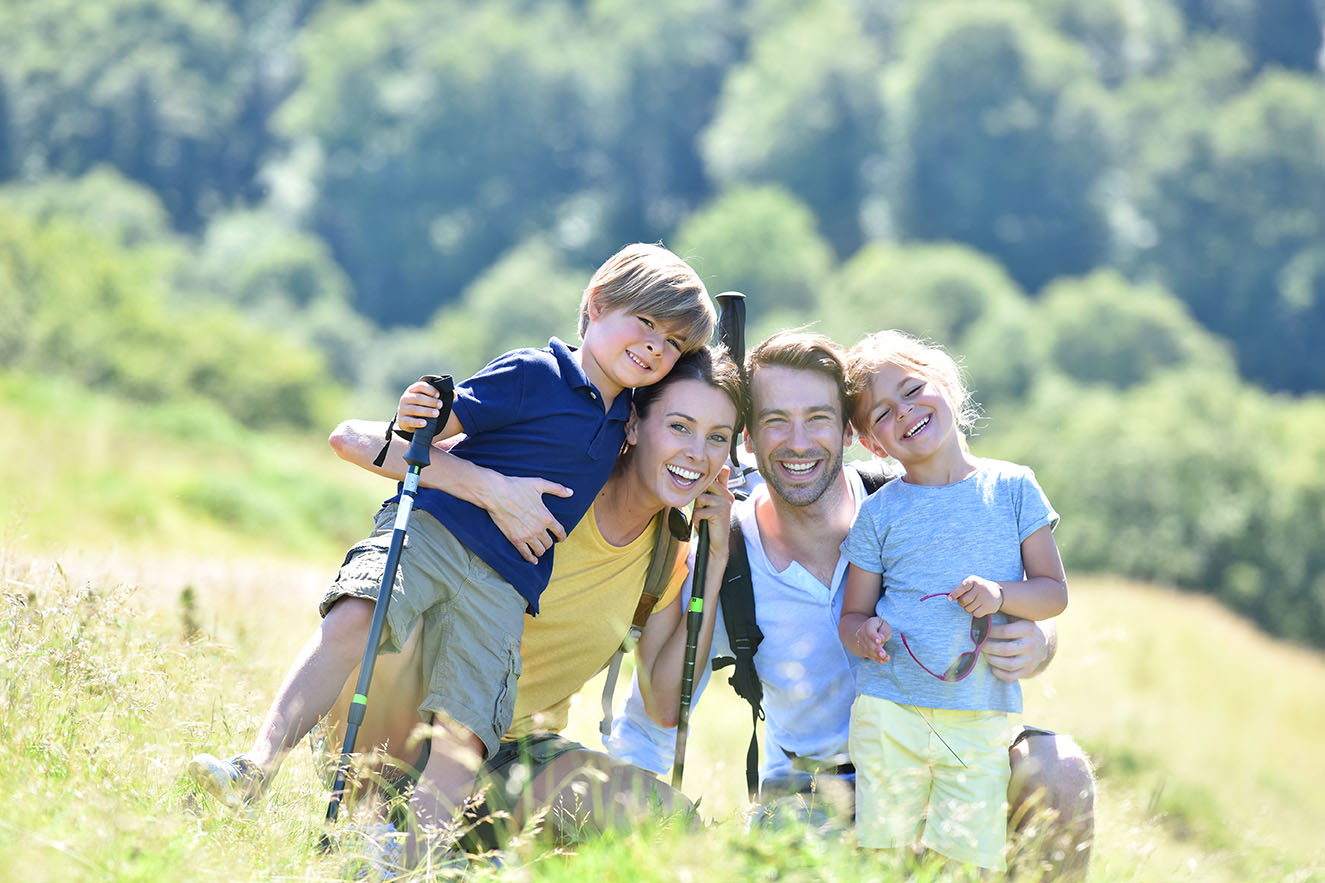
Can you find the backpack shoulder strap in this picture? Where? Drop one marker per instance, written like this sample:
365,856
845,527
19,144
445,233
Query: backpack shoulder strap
743,635
874,473
673,529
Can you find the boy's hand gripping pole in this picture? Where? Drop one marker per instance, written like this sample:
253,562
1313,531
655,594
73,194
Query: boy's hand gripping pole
731,331
416,458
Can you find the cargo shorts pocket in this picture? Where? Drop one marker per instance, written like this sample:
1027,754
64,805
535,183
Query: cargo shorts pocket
504,712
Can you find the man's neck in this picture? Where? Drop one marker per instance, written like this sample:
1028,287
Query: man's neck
808,535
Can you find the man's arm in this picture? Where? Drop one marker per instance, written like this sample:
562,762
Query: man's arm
1021,648
515,504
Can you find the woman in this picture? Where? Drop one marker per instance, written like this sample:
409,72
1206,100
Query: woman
677,442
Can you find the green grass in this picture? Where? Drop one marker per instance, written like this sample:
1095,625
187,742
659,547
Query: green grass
157,580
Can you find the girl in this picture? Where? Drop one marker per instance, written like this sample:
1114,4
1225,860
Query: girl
933,557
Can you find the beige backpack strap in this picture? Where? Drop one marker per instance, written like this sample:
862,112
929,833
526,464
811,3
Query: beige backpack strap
673,529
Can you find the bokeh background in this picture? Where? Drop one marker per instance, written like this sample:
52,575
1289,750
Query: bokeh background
1113,210
226,224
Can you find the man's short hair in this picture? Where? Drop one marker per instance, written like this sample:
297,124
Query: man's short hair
803,351
649,279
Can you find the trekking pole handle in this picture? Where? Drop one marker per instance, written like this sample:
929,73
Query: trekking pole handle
417,455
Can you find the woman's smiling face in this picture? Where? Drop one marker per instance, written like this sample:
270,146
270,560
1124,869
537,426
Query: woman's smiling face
682,442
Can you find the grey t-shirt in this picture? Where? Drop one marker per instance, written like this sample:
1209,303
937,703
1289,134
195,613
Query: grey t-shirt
925,539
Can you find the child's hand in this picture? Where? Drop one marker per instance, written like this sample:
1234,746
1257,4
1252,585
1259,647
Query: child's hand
417,404
870,637
978,596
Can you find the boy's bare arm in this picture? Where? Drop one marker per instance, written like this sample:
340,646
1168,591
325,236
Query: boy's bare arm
515,504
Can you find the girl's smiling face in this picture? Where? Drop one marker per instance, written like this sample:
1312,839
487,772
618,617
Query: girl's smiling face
681,444
905,416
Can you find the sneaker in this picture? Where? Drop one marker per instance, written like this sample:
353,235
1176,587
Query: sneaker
376,850
237,782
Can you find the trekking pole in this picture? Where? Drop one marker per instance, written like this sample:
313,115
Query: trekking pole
731,331
416,458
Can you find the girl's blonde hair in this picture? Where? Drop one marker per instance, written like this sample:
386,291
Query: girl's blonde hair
909,353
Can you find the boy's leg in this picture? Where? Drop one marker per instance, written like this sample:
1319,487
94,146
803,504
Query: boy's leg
444,785
1052,804
321,669
313,682
309,689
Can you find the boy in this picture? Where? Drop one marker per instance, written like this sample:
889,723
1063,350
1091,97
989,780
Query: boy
557,413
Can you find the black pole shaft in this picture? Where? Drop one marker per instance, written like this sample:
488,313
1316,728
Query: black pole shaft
694,616
416,458
731,331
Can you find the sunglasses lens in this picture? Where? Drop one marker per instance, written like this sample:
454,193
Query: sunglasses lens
979,629
962,667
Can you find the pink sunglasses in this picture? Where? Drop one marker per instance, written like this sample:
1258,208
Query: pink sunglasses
965,663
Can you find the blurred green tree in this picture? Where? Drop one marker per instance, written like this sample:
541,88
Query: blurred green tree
156,88
1124,39
76,304
763,242
527,296
1283,33
950,294
805,111
447,130
1101,329
1003,140
1237,203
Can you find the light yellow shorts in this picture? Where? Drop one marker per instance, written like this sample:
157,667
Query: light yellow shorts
910,788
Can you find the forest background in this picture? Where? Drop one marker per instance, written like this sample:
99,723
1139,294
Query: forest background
1114,211
226,225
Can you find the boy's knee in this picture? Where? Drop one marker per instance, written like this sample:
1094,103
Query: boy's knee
347,624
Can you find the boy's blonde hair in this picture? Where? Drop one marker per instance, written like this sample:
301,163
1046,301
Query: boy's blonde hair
649,279
909,353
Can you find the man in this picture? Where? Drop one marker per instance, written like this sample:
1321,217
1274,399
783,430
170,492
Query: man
793,526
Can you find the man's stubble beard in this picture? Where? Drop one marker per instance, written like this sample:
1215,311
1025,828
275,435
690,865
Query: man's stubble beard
800,496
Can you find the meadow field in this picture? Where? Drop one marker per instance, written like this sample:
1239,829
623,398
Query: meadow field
148,614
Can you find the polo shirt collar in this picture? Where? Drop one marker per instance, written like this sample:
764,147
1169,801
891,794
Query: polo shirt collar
577,379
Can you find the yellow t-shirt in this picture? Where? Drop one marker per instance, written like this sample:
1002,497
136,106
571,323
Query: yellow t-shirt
584,613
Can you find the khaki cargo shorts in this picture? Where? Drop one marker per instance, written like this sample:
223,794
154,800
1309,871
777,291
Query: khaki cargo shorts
473,620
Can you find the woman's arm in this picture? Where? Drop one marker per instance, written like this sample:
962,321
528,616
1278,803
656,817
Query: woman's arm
660,656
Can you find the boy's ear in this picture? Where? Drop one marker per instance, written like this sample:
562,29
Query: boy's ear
632,426
594,309
748,442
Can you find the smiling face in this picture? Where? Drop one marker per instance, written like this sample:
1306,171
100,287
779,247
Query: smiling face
681,444
904,415
624,349
798,431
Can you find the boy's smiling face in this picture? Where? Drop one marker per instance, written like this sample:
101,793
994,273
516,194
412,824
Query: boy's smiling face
625,349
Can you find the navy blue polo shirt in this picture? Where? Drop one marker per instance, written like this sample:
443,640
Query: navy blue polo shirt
531,412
